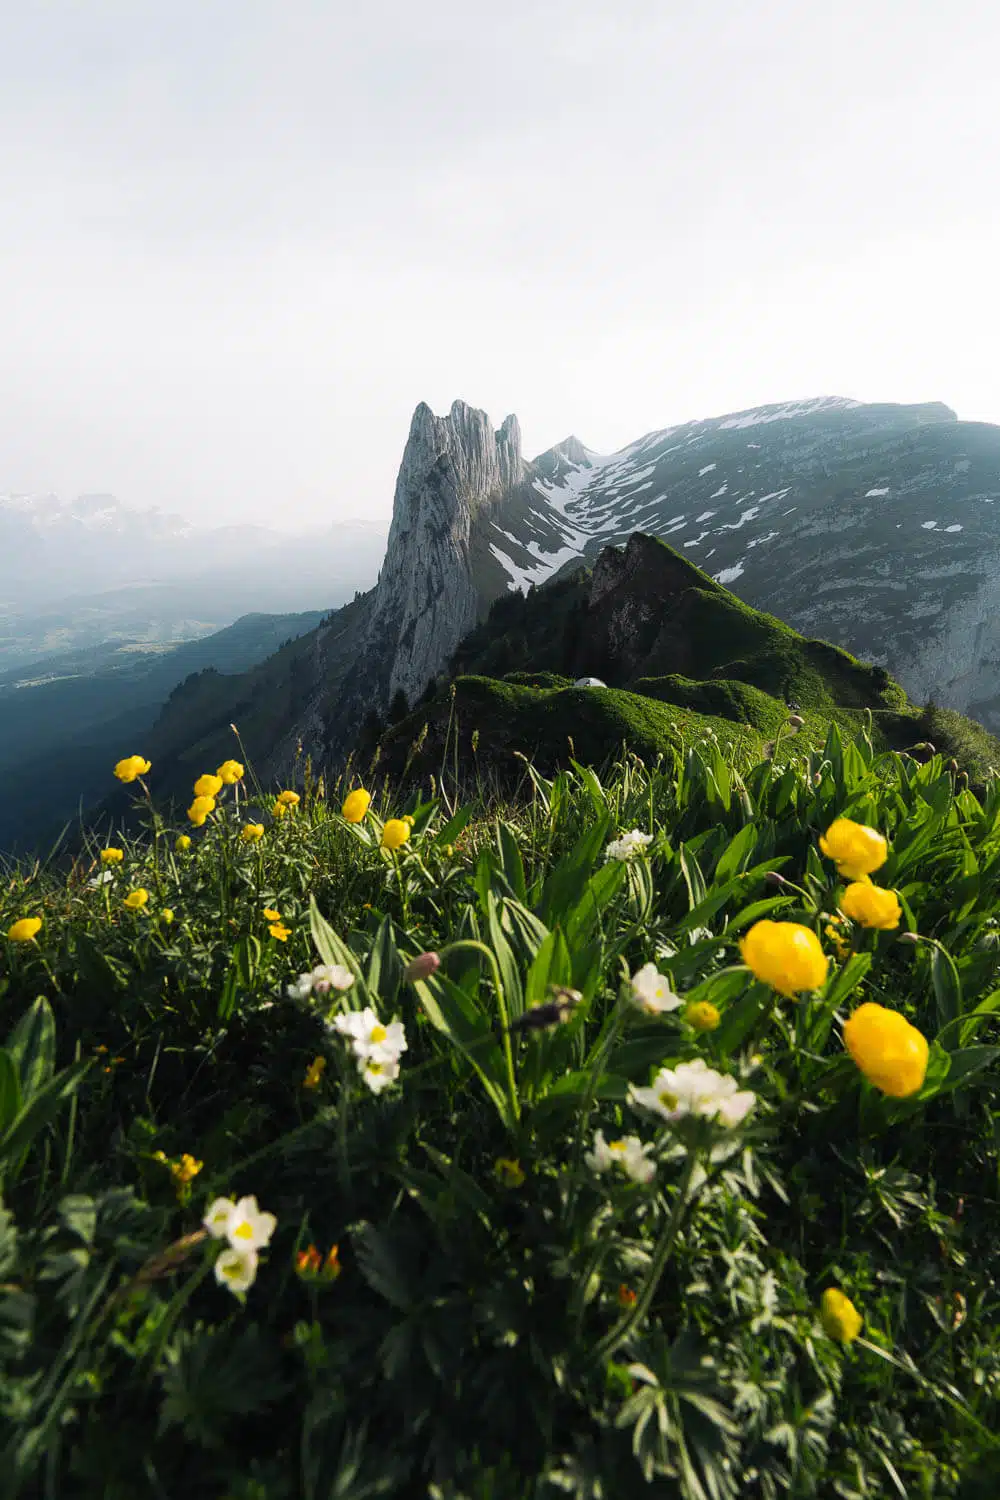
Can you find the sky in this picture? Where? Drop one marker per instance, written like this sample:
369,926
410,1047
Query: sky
242,239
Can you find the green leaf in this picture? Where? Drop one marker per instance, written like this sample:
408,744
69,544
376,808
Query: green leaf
739,1021
459,1017
507,964
382,1265
32,1046
847,980
454,826
35,1115
511,864
693,878
947,986
10,1091
551,965
736,855
385,970
566,883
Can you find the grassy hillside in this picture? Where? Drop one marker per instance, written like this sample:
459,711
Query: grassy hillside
252,1247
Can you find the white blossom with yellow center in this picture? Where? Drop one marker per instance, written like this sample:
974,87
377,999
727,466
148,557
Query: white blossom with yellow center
370,1039
236,1269
628,1153
651,991
693,1088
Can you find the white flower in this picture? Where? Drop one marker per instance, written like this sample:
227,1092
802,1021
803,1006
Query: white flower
630,1154
104,878
628,846
369,1038
694,1089
651,991
242,1223
320,981
378,1075
236,1269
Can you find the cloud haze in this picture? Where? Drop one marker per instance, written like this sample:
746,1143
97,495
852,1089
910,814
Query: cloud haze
242,240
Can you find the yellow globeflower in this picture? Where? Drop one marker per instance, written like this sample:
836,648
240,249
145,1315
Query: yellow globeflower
182,842
208,786
356,804
24,930
314,1073
840,1318
137,899
272,914
186,1169
289,799
890,1052
785,955
280,932
112,856
229,771
167,915
509,1171
702,1015
132,767
251,832
856,848
395,833
871,905
200,809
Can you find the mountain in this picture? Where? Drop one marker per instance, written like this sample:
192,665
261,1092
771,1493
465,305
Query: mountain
870,526
64,719
84,572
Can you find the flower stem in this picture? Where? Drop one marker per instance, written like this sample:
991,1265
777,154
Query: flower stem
472,944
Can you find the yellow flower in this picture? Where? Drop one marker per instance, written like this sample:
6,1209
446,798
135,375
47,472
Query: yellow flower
856,848
167,915
510,1173
890,1052
137,899
314,1073
24,930
182,842
282,934
356,804
308,1262
208,786
200,809
229,771
409,818
871,905
331,1266
252,832
131,768
395,833
785,955
112,856
702,1015
272,914
840,1318
187,1168
289,799
278,810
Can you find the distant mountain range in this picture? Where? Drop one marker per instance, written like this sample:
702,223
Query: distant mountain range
84,572
875,527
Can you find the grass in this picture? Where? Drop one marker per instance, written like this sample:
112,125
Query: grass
501,1320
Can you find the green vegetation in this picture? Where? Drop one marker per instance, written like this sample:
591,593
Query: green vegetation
502,1320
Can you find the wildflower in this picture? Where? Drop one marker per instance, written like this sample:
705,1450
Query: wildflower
651,991
785,955
626,1296
167,915
320,981
378,1075
200,809
236,1269
185,1170
409,818
702,1015
24,929
314,1073
422,967
104,878
840,1318
369,1038
131,768
137,899
288,799
890,1052
331,1266
112,856
356,804
251,832
694,1089
308,1262
272,914
395,833
241,1223
182,842
856,848
871,905
509,1171
208,786
795,721
629,1153
229,772
280,932
278,810
628,846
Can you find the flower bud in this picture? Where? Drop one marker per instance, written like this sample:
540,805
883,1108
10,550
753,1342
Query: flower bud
795,721
953,766
422,967
773,878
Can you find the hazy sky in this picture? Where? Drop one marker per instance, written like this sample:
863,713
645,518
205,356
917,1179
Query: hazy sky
241,239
